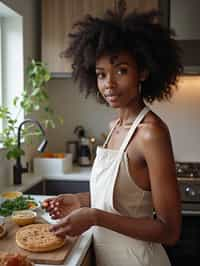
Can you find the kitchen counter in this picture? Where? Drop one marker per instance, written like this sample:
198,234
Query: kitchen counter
31,179
80,248
78,174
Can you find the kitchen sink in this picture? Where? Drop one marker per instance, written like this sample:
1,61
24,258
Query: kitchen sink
56,186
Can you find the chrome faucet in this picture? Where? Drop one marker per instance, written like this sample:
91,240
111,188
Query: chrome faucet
18,169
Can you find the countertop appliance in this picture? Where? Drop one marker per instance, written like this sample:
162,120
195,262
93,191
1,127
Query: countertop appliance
84,152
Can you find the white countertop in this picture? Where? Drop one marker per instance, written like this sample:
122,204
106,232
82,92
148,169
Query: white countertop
78,174
80,248
31,179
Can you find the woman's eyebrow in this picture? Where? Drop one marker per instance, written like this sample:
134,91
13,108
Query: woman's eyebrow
99,68
121,63
115,64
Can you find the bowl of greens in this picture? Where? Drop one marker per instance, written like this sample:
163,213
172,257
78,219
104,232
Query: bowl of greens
8,206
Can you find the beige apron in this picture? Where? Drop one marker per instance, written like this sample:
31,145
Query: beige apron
112,248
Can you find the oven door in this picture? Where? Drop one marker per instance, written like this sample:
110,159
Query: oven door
187,249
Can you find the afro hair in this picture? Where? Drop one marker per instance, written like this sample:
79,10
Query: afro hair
151,44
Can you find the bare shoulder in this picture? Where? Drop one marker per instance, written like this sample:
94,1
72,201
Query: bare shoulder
153,129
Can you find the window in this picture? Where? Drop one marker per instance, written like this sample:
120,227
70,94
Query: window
1,102
11,59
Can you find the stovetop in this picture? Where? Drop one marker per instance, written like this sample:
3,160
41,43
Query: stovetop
188,169
188,174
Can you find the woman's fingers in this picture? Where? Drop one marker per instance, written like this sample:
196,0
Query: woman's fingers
56,215
62,228
60,206
62,232
46,201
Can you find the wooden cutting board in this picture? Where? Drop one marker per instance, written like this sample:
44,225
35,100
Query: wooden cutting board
8,244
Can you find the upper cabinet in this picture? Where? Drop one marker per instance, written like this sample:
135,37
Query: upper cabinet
187,31
142,5
58,16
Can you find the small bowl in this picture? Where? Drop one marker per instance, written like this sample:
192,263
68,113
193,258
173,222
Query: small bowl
24,217
11,194
33,205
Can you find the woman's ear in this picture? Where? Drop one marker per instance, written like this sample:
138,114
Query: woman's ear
144,75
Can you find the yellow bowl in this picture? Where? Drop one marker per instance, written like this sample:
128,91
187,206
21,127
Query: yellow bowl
11,194
24,217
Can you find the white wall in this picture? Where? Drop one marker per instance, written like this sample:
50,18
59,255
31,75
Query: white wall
29,9
182,115
76,110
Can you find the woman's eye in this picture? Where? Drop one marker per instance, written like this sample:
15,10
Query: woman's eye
100,75
122,71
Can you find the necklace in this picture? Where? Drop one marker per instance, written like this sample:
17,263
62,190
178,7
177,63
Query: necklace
127,125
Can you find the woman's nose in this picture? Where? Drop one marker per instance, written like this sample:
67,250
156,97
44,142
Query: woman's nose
110,81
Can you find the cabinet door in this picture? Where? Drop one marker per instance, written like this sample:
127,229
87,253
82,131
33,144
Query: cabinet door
55,187
141,5
58,16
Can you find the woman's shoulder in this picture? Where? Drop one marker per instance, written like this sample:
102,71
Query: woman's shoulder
153,128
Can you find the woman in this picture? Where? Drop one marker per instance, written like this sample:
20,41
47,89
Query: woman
134,202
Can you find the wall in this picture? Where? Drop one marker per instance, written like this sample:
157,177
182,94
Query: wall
182,114
31,22
76,110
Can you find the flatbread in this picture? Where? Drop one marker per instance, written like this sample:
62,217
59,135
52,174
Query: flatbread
38,238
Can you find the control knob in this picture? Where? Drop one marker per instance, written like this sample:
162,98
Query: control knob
190,192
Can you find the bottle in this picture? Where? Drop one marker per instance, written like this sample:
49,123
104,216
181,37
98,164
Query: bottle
84,152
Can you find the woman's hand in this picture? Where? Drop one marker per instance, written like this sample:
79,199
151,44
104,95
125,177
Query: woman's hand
62,205
75,223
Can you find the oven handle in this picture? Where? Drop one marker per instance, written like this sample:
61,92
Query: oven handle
190,213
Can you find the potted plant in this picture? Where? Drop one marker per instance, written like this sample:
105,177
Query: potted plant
34,98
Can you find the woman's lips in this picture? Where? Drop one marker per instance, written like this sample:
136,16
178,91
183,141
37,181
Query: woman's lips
112,98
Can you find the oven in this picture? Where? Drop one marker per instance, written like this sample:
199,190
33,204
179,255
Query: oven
187,249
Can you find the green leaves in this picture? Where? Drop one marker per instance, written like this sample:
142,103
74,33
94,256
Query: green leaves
4,112
14,152
20,203
34,98
35,95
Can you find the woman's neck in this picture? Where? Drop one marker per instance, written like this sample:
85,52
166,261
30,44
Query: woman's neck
127,115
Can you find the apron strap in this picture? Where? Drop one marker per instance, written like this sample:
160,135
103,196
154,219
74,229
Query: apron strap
131,131
110,134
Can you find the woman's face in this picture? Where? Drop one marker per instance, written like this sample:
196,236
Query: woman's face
117,79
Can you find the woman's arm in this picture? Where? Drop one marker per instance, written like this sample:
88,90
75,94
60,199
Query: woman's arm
84,199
